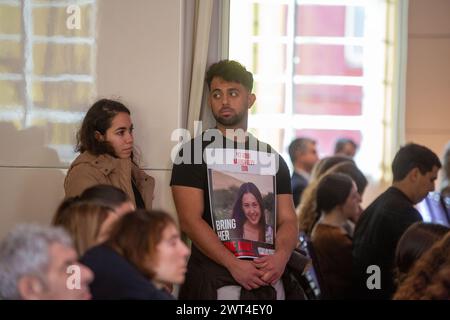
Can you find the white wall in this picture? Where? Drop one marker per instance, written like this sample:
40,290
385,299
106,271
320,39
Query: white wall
139,61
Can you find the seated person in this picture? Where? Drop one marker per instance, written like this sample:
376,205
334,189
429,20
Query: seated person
143,256
427,278
87,223
109,196
436,206
34,264
417,239
307,213
337,200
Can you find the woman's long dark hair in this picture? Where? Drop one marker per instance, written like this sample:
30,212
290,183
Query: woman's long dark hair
98,118
416,240
424,276
238,212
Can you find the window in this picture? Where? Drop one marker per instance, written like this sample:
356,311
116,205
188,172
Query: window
319,69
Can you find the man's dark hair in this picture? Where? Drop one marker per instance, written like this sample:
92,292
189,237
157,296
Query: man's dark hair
232,71
413,156
105,195
341,142
298,145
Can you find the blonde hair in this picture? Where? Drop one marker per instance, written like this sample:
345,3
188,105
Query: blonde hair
307,212
82,220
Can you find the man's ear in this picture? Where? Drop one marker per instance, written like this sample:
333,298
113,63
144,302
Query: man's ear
99,136
414,174
251,100
209,100
30,288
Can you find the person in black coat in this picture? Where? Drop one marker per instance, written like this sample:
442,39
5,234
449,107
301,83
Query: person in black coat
381,225
143,257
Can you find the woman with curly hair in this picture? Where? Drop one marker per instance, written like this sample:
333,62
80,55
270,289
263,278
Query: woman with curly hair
416,240
427,280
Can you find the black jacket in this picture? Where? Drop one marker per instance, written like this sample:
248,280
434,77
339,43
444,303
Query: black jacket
298,184
375,240
117,279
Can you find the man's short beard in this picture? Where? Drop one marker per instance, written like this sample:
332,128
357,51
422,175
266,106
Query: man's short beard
230,121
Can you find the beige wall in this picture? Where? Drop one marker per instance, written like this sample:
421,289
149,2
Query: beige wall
427,80
428,74
139,61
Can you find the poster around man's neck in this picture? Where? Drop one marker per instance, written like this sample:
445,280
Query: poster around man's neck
242,193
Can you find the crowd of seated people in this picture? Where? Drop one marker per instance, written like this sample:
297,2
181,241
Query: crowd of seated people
123,253
337,201
307,211
140,257
380,231
115,251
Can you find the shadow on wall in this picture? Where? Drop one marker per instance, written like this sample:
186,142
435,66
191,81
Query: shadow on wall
26,148
32,177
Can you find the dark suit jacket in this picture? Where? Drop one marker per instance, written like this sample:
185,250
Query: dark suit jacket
298,184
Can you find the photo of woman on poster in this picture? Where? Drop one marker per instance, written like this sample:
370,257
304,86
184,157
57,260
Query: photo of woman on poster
248,212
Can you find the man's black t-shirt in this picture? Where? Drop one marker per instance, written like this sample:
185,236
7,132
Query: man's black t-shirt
194,174
204,276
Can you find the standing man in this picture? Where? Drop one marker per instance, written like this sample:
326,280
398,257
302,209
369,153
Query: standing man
213,270
303,154
381,225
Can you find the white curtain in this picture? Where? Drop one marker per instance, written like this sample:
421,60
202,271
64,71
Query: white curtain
203,45
395,79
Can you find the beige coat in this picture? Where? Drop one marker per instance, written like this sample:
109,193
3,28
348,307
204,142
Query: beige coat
88,170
